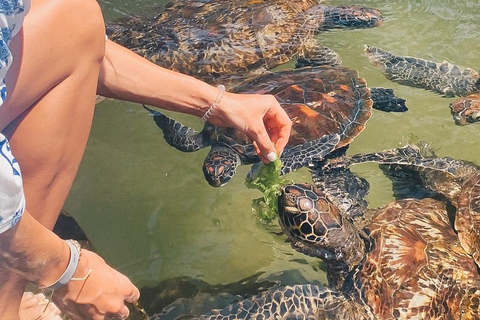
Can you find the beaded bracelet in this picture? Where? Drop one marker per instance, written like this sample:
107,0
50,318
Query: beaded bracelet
71,268
207,114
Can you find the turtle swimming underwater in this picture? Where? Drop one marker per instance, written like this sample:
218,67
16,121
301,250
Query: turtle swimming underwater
456,180
329,107
220,41
400,261
444,78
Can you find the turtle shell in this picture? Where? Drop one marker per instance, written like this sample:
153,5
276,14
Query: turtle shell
211,39
417,269
466,110
320,101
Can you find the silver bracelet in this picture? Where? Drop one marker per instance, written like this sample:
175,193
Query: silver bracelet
71,268
207,114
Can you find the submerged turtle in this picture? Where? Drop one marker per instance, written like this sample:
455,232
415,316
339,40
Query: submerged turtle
456,180
400,261
329,107
445,78
221,40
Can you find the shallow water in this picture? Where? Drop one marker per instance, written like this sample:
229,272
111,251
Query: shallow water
149,212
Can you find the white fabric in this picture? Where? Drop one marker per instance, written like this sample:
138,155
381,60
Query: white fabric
12,199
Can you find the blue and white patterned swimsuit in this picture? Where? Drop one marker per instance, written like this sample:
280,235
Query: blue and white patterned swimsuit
12,199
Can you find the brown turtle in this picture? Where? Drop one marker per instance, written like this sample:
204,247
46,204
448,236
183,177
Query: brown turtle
400,261
219,41
441,77
455,180
329,107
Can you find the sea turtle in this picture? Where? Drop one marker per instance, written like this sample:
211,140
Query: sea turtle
445,78
400,261
456,180
329,107
220,41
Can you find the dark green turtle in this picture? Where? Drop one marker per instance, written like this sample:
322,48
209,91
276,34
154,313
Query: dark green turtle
329,107
400,261
445,78
219,41
457,181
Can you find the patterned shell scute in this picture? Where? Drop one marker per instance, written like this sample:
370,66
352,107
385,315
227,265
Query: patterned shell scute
467,220
414,251
243,33
320,101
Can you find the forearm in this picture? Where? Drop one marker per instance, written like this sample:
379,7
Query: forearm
125,75
33,252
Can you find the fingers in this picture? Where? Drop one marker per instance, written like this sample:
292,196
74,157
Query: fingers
133,296
273,133
101,295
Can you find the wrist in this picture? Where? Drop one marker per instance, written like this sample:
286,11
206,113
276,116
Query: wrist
74,258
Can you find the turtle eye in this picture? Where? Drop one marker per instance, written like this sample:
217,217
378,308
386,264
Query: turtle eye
305,204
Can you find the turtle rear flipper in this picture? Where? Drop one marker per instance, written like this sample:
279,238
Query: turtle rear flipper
386,100
317,55
178,135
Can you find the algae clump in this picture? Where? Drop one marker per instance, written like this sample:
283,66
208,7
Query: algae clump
269,181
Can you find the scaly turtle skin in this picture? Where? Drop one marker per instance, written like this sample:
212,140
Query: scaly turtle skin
456,180
444,78
400,261
329,107
220,40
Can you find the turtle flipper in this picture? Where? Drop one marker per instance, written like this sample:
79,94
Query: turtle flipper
293,302
178,135
308,153
386,100
317,55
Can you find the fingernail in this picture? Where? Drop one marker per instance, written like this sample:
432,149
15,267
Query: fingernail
272,156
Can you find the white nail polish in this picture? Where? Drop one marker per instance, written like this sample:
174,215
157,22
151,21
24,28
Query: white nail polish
272,156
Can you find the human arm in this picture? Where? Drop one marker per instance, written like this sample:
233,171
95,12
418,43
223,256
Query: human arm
125,75
38,255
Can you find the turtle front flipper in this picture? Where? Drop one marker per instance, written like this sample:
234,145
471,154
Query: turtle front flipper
178,135
386,100
441,77
307,154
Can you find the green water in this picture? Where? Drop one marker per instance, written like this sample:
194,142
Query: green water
149,212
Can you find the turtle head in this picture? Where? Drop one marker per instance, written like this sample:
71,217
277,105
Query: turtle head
352,17
466,110
220,166
317,227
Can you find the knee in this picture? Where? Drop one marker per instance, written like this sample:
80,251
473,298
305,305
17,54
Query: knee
89,19
82,23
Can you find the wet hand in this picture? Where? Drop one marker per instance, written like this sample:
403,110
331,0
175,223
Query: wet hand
260,117
96,292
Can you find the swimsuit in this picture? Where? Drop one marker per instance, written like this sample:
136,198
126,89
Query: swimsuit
12,199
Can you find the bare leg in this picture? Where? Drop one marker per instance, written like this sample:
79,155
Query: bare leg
53,98
48,114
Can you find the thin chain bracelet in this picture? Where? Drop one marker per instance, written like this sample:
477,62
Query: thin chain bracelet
207,114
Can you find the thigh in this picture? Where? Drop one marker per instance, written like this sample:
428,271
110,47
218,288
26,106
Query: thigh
57,37
51,93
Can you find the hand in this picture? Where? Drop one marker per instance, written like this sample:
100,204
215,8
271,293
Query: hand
100,296
260,117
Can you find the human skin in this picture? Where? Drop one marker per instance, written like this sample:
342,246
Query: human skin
61,61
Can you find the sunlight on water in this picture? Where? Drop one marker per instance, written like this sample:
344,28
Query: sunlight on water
150,213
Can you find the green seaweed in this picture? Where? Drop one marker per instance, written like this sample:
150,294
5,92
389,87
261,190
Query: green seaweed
269,181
